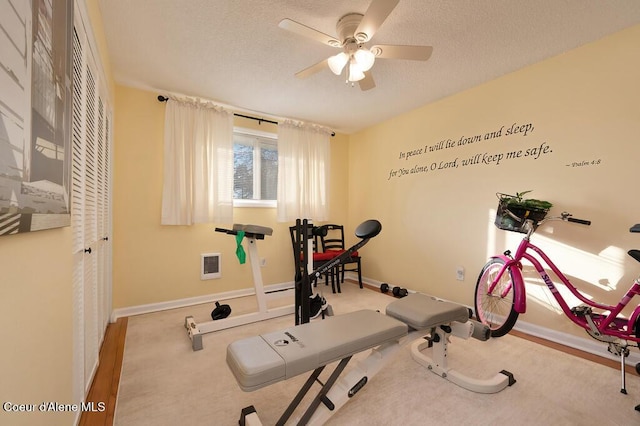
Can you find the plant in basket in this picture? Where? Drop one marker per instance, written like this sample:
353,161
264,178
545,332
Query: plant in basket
513,210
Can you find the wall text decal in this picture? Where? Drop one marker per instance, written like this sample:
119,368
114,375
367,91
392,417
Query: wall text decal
421,161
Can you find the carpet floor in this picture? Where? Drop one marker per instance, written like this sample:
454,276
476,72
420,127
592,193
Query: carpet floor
164,382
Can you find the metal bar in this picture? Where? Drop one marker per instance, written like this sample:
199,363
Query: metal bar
258,119
323,392
298,398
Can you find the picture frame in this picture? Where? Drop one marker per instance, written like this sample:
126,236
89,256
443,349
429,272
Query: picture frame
35,114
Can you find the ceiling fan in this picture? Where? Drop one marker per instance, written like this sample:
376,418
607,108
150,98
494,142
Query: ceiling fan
354,31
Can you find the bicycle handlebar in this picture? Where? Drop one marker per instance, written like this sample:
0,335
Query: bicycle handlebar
580,221
566,216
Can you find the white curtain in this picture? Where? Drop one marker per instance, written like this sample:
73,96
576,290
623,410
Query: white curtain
198,163
303,171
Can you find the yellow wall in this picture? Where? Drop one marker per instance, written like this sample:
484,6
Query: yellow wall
154,263
583,106
36,312
36,298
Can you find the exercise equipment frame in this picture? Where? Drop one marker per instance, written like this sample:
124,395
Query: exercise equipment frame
252,234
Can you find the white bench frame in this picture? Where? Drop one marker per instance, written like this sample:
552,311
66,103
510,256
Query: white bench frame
195,330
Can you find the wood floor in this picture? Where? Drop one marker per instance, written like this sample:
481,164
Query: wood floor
104,388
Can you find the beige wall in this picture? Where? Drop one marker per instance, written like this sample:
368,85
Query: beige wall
583,105
155,263
36,311
36,358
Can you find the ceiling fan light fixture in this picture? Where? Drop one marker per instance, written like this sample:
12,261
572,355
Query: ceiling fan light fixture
365,58
354,30
337,62
355,72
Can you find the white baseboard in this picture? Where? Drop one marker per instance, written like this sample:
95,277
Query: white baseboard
190,301
584,344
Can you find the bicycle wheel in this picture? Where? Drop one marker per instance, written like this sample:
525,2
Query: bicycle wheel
496,309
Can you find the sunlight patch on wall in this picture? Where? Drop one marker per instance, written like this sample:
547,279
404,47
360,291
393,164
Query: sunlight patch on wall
538,292
603,270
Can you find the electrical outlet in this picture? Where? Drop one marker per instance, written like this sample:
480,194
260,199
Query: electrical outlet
460,273
263,262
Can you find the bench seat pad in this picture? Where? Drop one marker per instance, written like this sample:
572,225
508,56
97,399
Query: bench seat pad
253,229
421,312
262,360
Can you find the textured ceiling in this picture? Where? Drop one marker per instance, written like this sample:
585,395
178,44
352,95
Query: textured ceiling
233,52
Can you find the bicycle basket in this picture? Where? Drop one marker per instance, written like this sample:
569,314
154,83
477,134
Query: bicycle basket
512,216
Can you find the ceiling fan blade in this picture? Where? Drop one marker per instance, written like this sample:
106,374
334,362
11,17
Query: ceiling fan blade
374,17
313,69
367,82
390,51
303,30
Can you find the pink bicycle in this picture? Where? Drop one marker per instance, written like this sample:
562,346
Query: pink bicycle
500,295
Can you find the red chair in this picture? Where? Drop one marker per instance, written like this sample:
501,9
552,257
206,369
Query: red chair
319,258
333,242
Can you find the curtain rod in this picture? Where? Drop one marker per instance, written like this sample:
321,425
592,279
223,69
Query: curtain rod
259,120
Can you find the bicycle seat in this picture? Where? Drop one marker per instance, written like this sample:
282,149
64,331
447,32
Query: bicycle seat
635,254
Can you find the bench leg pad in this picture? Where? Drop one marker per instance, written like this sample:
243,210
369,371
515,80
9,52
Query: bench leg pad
249,417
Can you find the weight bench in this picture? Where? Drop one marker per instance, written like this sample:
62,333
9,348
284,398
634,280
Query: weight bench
262,360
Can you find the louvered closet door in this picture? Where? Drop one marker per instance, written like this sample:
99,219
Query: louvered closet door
90,214
103,215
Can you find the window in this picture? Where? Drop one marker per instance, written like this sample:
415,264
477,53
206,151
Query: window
255,168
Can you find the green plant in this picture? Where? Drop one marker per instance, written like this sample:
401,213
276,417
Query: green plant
518,201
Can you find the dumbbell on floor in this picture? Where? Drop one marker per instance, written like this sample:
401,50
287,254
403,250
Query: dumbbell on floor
220,311
396,291
400,292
